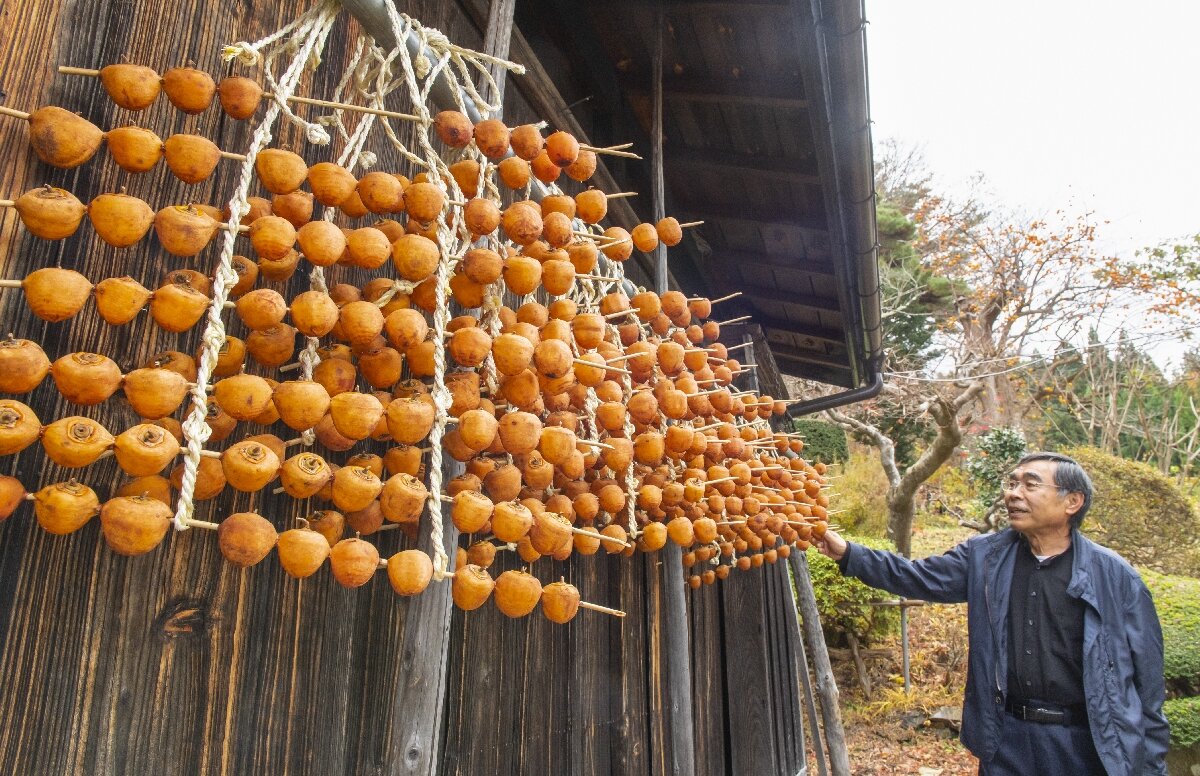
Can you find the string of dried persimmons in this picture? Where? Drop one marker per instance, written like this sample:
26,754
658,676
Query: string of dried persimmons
586,417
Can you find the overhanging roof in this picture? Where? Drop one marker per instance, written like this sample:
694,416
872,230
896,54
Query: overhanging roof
766,139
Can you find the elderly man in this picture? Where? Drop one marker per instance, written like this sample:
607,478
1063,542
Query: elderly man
1065,668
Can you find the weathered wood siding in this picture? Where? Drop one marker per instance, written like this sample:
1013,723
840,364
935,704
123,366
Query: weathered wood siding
176,662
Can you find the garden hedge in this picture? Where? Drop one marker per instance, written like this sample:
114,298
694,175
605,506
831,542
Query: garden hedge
844,602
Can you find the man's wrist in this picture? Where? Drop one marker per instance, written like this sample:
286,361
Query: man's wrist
841,562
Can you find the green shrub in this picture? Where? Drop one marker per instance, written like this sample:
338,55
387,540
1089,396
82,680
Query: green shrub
1177,600
996,454
823,441
1140,514
1183,714
844,602
862,494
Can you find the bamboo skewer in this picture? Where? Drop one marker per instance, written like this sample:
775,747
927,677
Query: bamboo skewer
16,114
66,70
609,152
618,314
346,106
735,320
591,443
621,195
602,609
605,366
600,536
690,224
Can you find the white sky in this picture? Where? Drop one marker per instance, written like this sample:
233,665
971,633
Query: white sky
1061,104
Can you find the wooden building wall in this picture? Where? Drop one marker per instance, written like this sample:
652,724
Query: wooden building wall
177,662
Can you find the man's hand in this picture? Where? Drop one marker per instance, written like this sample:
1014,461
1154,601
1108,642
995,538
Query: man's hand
831,545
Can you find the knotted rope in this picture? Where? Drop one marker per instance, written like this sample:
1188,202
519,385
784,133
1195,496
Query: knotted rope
311,29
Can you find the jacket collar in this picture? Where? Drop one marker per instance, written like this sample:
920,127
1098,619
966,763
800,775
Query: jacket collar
1080,585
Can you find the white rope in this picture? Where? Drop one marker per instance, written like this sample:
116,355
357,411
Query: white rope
311,30
452,246
464,60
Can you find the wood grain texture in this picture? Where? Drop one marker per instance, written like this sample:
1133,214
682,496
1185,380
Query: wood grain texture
177,662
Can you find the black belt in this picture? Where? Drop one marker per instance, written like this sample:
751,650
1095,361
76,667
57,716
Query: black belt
1048,713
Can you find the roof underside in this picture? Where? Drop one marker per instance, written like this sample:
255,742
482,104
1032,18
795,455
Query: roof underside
748,148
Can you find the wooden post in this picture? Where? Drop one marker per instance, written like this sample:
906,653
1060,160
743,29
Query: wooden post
676,662
748,357
657,186
831,713
418,704
496,42
810,706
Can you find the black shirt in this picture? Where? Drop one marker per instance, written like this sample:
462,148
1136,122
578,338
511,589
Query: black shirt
1045,626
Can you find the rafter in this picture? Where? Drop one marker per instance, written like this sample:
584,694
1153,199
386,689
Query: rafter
788,297
770,261
776,93
748,165
817,334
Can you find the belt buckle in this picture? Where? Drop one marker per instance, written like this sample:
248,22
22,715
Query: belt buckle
1019,711
1049,715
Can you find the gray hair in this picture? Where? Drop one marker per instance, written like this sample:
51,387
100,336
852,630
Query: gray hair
1070,477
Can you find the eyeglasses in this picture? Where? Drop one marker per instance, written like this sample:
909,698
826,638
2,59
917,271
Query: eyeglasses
1029,486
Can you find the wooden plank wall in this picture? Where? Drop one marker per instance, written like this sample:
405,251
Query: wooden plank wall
177,662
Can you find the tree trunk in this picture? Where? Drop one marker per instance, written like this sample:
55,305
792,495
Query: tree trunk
902,509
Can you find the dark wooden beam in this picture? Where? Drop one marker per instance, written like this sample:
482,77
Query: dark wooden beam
788,297
781,351
770,261
816,333
776,93
748,165
807,233
696,209
702,6
843,378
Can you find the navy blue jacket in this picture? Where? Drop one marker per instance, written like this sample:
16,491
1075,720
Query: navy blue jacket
1122,640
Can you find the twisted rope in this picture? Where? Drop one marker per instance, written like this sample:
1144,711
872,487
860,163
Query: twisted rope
311,30
453,244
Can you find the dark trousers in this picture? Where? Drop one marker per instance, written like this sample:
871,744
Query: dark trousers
1028,748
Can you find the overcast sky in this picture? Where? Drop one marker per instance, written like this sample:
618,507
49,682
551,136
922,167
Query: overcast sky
1060,103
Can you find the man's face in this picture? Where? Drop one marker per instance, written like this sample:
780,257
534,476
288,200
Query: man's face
1034,503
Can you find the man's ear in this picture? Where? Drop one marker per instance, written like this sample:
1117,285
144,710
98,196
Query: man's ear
1074,502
